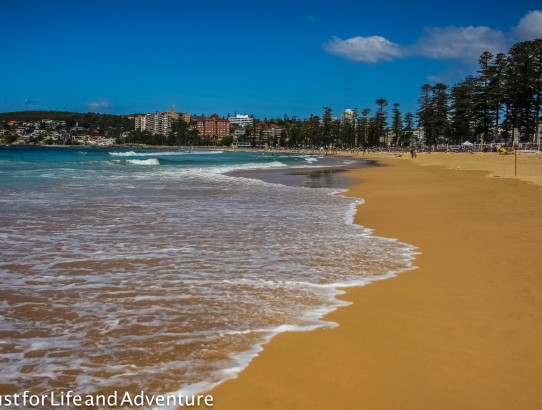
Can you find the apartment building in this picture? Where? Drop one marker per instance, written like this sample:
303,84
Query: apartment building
212,127
241,120
159,122
141,122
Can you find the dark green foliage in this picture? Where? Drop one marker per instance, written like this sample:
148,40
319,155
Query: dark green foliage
408,131
433,113
381,123
226,141
506,94
86,120
397,126
9,139
462,111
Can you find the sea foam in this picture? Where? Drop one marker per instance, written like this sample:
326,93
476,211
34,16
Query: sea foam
170,275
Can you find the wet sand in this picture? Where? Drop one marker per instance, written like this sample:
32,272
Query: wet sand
333,176
464,331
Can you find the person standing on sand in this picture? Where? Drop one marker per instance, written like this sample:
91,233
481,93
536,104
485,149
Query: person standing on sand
413,153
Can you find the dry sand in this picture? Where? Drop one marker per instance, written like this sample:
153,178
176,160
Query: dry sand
464,331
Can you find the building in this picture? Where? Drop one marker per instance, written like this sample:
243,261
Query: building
141,122
159,122
185,116
268,132
174,115
239,123
212,127
241,120
418,136
348,115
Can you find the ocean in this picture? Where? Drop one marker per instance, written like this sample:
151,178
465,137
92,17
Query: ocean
164,270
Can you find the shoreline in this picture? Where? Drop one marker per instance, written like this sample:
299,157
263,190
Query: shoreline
316,206
461,331
333,175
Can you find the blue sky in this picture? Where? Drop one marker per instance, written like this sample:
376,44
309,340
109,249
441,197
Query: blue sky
261,57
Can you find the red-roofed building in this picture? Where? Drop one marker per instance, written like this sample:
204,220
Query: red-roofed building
212,127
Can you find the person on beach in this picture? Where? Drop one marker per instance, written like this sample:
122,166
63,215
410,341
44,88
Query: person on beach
413,153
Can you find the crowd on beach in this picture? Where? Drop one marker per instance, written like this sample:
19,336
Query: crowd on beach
399,151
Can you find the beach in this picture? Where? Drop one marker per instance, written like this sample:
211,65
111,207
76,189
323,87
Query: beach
463,331
156,271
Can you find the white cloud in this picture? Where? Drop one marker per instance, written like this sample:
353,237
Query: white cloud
464,44
529,27
365,49
98,106
459,43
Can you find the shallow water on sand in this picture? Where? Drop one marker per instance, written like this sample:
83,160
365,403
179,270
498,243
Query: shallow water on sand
155,271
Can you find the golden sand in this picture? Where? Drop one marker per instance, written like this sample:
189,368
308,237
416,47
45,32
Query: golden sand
464,331
527,167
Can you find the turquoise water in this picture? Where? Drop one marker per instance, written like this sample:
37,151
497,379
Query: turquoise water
158,271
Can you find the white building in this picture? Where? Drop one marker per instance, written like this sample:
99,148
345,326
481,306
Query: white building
141,122
348,115
241,120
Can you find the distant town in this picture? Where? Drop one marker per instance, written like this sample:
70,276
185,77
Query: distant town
171,128
157,128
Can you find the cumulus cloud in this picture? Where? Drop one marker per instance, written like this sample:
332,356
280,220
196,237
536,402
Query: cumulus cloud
371,49
98,106
529,27
464,44
459,43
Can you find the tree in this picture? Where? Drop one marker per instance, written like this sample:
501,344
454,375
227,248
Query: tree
408,131
537,83
397,126
182,134
439,119
433,113
462,110
363,128
327,131
523,83
425,111
381,121
226,141
347,130
483,113
10,138
497,94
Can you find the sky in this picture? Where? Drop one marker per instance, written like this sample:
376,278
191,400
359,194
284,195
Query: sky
266,58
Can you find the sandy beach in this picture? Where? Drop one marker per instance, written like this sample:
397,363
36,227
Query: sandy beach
463,331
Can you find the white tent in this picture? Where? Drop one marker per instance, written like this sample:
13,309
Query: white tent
468,144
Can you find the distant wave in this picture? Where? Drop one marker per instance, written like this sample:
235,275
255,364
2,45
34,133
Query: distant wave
145,154
205,152
161,153
251,165
150,161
